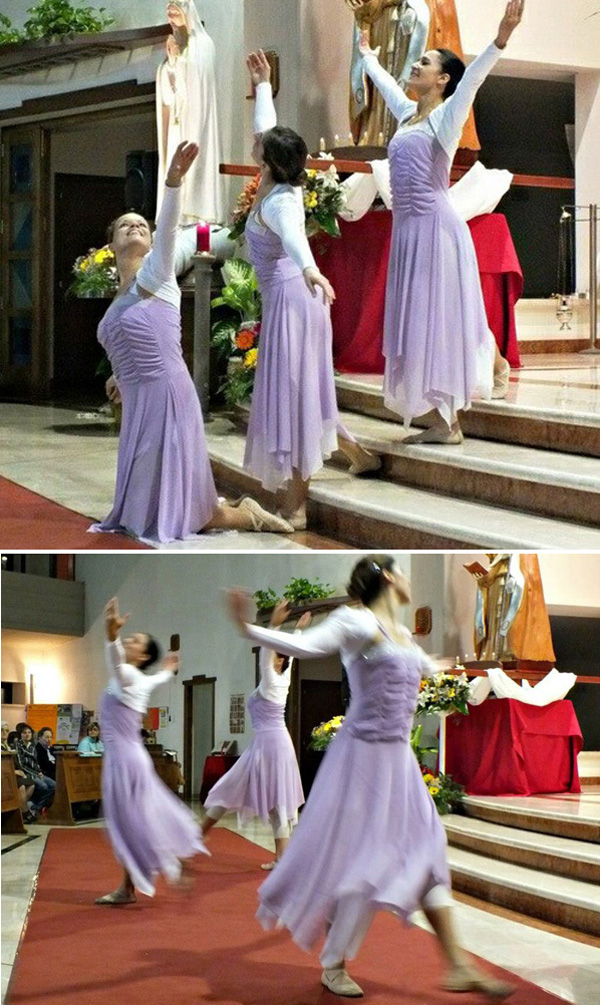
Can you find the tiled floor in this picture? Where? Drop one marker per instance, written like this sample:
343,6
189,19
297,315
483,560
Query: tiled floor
565,966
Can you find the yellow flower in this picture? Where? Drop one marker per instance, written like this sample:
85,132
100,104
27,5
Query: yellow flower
250,358
452,693
104,255
434,790
84,265
428,777
311,172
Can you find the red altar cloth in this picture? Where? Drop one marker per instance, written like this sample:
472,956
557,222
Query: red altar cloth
215,766
505,747
356,266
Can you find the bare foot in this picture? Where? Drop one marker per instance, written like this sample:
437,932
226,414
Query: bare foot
436,435
116,898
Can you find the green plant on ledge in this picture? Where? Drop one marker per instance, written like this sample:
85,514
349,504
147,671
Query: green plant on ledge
51,18
298,590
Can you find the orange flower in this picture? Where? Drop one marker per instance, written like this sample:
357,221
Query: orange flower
244,339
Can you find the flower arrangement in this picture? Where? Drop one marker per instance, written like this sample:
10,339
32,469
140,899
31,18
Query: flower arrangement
322,735
299,590
236,330
444,693
323,200
95,274
445,792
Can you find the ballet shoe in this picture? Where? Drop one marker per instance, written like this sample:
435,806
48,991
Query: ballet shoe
297,521
339,982
115,899
501,381
263,520
268,867
465,980
436,435
368,467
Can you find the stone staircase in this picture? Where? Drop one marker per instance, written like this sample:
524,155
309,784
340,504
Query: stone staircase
526,477
537,857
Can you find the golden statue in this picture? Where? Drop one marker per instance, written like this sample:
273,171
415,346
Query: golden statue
511,620
404,30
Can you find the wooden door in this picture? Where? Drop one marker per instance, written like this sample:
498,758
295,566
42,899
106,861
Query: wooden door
319,701
24,345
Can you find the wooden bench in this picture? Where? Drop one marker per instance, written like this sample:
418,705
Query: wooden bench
12,819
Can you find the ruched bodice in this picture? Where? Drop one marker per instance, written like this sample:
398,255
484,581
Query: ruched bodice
265,715
384,683
142,338
419,173
268,255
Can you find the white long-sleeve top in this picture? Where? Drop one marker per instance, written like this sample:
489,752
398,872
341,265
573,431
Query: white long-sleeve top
130,685
282,210
347,631
273,686
157,273
447,120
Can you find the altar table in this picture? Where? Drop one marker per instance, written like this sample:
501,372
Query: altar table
505,747
215,767
356,266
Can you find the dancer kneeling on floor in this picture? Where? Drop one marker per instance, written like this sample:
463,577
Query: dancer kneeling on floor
370,836
265,782
165,488
151,830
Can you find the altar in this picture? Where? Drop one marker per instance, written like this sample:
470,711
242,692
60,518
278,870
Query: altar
356,266
506,747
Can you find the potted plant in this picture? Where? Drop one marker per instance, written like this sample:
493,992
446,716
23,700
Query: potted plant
236,330
297,592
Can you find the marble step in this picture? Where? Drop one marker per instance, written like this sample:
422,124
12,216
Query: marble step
563,815
565,902
570,858
530,479
573,428
375,513
588,765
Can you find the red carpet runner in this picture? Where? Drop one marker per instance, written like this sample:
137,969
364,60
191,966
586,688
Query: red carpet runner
204,948
30,521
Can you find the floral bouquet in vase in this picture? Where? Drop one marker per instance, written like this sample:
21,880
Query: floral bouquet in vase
322,735
323,201
444,693
95,274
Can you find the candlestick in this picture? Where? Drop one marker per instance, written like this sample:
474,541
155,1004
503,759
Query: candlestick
202,238
322,146
380,140
336,140
350,139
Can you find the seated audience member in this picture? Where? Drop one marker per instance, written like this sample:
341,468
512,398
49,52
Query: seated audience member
45,752
25,784
44,786
91,745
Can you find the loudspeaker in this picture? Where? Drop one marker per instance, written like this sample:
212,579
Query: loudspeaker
141,173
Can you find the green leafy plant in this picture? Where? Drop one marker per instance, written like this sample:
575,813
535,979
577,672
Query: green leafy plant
415,743
61,17
300,589
446,794
95,274
265,599
236,329
8,34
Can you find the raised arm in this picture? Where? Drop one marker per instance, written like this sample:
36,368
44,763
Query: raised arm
115,654
265,116
449,118
399,105
159,265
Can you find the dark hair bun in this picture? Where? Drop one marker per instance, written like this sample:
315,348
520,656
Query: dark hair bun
285,152
367,580
454,66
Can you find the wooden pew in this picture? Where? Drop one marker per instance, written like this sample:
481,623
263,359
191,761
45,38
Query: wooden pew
12,819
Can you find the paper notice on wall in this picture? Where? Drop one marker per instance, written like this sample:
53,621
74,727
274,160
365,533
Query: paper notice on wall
237,711
40,715
68,725
163,716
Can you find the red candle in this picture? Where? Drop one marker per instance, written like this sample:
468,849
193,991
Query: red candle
202,238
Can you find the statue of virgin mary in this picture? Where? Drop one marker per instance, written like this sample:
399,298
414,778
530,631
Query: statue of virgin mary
186,109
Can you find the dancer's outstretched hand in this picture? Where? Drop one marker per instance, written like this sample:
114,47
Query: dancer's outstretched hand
512,17
258,68
304,620
364,47
183,158
171,662
280,613
111,388
113,620
314,279
238,603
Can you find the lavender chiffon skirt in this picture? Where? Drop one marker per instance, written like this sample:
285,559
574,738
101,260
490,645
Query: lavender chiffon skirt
149,827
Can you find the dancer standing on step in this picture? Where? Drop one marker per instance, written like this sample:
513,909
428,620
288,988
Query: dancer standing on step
151,830
165,489
294,422
439,351
265,782
370,836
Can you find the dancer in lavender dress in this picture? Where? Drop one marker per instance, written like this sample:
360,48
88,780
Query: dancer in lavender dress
439,351
265,782
150,828
165,489
294,422
369,837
